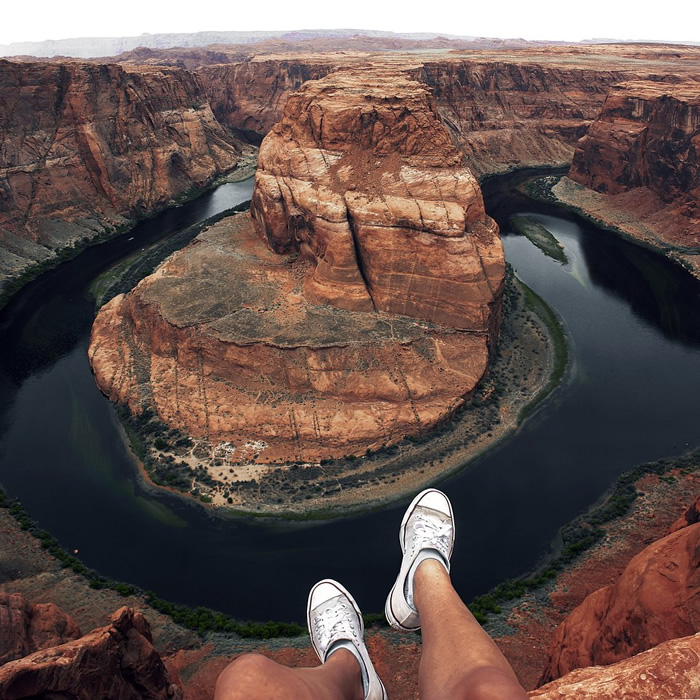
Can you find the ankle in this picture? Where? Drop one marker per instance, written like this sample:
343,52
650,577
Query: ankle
347,660
429,573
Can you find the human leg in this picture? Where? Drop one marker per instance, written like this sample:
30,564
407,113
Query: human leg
255,677
459,658
346,672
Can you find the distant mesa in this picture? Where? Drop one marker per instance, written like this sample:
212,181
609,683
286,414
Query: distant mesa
358,305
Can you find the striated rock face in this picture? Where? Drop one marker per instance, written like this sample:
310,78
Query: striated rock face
86,147
504,109
116,661
251,95
508,114
670,670
369,316
361,178
25,628
657,598
643,150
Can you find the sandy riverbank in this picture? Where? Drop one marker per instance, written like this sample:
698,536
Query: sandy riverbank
620,214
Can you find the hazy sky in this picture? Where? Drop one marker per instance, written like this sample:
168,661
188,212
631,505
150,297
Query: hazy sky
529,19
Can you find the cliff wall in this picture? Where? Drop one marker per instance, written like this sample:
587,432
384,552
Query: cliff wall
362,178
251,95
506,114
657,598
84,148
642,153
524,108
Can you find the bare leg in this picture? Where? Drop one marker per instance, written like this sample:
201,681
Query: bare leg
255,677
459,659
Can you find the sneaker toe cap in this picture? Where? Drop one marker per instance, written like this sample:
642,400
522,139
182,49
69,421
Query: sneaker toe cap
435,500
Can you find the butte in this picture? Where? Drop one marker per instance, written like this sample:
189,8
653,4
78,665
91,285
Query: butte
357,303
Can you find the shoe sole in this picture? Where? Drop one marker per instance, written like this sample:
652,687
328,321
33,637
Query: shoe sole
388,612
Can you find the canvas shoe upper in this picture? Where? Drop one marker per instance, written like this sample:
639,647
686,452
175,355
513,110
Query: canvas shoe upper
427,532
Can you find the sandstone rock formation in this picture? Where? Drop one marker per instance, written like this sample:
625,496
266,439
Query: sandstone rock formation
643,153
504,109
371,320
251,95
89,147
361,178
116,661
657,598
25,628
668,671
691,516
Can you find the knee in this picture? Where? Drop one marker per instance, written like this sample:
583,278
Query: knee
242,677
491,683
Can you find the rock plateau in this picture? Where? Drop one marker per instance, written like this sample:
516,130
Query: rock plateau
368,316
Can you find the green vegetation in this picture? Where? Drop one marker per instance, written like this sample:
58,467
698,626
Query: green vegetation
199,619
582,533
538,306
540,236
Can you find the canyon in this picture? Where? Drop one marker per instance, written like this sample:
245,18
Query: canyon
326,340
91,146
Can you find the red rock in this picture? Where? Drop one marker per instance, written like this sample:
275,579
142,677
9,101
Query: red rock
251,95
362,178
647,140
657,598
372,319
669,671
116,661
690,517
89,147
25,628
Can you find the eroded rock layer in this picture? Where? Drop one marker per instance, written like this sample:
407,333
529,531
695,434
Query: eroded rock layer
361,178
222,344
84,148
670,670
363,310
25,628
115,661
643,153
504,109
657,598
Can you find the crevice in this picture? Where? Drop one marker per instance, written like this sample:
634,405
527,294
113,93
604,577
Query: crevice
358,257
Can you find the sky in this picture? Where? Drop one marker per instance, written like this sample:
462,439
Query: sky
527,19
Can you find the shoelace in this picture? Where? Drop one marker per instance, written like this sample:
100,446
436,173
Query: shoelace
333,623
431,533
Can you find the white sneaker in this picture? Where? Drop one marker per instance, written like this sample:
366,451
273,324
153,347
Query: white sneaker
427,532
335,622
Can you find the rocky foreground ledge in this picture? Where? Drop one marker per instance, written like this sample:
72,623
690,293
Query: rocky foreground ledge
633,625
363,310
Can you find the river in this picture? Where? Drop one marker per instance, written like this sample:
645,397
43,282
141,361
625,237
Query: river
631,395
